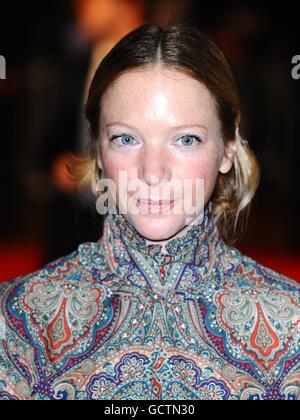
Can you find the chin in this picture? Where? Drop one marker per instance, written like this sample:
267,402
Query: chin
157,228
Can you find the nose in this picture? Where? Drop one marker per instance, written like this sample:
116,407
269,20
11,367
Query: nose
155,166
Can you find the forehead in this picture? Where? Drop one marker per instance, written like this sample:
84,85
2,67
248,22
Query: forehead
158,94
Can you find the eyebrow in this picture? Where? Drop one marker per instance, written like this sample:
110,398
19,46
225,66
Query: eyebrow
173,128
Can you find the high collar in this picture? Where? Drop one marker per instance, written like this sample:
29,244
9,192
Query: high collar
184,249
128,258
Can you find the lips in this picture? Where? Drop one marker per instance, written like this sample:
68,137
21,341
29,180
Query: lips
157,207
154,202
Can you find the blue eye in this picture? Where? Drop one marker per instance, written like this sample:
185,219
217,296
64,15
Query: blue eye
122,137
125,139
189,137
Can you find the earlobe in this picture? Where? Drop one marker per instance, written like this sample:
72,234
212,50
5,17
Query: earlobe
226,166
228,158
99,164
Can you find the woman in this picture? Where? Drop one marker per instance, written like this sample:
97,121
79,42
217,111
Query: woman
162,306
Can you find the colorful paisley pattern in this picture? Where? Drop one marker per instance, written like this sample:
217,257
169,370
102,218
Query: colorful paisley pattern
118,319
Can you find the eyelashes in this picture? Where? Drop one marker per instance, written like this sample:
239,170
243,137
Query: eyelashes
197,138
112,138
122,136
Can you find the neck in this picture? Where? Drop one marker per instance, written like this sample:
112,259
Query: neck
178,235
182,247
188,266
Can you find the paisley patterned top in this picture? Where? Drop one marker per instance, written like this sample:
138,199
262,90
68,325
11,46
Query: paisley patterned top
120,319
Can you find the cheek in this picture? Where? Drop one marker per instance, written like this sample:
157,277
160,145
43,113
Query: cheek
114,164
200,168
204,169
120,170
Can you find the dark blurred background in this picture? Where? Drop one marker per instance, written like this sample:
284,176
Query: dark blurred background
52,49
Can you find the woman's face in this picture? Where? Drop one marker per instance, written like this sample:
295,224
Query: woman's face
159,129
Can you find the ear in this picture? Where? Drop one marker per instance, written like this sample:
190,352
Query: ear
99,163
229,155
99,157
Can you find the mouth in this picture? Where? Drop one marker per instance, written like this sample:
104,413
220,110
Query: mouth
155,207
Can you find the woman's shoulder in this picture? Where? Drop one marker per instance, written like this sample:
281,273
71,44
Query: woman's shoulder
258,311
247,273
47,312
57,280
59,269
261,303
